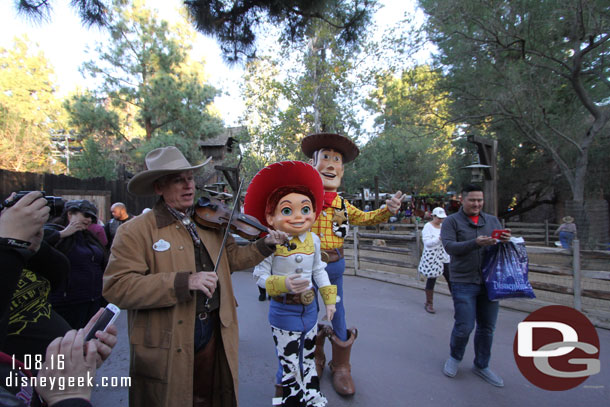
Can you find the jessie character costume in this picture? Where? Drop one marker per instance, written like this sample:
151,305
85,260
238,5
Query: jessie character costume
288,196
329,152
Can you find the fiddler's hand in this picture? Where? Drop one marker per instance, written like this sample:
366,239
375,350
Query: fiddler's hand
505,236
393,204
276,237
330,311
296,285
205,281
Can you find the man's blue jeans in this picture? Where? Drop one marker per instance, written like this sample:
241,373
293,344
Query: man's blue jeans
566,239
471,304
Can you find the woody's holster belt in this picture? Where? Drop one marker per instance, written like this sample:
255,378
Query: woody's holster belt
332,255
304,298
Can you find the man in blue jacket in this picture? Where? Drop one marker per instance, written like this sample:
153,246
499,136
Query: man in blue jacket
465,235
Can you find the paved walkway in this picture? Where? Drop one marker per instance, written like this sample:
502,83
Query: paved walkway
396,360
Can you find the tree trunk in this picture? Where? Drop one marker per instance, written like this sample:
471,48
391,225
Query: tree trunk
316,90
149,128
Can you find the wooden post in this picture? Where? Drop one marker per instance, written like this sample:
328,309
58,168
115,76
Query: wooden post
363,199
576,275
355,250
546,232
377,228
376,192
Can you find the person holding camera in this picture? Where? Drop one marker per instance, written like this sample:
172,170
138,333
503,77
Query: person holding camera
80,295
68,358
28,324
19,240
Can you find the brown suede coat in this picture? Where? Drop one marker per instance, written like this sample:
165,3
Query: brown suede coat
153,286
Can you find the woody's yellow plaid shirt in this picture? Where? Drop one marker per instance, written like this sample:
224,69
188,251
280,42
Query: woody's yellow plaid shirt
323,227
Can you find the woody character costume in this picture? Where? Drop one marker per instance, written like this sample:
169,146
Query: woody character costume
287,196
328,153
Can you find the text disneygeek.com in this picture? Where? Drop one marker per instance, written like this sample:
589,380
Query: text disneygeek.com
61,383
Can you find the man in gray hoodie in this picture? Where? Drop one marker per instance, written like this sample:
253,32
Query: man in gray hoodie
465,236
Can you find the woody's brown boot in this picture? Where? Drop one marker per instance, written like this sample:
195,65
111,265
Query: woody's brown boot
429,302
318,353
340,366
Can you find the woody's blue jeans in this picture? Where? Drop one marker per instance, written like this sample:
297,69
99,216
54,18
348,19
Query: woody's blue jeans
335,275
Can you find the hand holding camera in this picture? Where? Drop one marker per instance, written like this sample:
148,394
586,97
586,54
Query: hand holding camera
101,327
21,220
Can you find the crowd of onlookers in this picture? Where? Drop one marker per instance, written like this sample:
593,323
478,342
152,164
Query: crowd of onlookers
50,298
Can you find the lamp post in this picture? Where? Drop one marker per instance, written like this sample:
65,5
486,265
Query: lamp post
486,171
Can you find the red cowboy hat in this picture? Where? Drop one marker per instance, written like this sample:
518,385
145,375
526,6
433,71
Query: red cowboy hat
314,142
281,174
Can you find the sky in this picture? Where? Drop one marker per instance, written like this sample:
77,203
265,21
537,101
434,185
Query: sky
64,42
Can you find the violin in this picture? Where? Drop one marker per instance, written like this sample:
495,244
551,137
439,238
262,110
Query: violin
212,213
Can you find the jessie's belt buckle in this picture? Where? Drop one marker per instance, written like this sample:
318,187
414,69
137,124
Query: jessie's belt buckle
307,297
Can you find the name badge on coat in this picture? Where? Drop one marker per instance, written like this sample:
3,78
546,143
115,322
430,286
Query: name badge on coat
161,245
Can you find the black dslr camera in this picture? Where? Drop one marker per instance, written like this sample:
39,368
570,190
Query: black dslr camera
56,204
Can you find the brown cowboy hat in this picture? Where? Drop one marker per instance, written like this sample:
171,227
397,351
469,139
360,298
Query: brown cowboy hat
160,162
315,142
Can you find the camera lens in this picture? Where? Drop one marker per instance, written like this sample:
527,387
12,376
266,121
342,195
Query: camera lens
56,205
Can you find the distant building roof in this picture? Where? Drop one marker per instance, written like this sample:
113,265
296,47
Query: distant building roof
224,139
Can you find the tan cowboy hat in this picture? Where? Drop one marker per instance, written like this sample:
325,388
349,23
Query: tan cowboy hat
314,142
160,162
567,219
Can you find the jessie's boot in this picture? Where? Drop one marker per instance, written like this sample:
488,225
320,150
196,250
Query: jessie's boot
340,366
319,356
429,302
279,393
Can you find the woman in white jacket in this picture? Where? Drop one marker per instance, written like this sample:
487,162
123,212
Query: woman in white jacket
434,260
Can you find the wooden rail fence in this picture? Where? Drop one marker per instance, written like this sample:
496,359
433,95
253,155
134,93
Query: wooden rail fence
557,275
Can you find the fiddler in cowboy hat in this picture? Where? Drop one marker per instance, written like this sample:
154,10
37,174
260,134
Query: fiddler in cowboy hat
567,219
315,142
278,175
160,162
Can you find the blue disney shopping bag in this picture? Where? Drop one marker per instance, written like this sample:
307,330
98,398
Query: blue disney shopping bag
505,270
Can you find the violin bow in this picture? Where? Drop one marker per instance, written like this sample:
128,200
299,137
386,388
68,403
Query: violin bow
228,229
